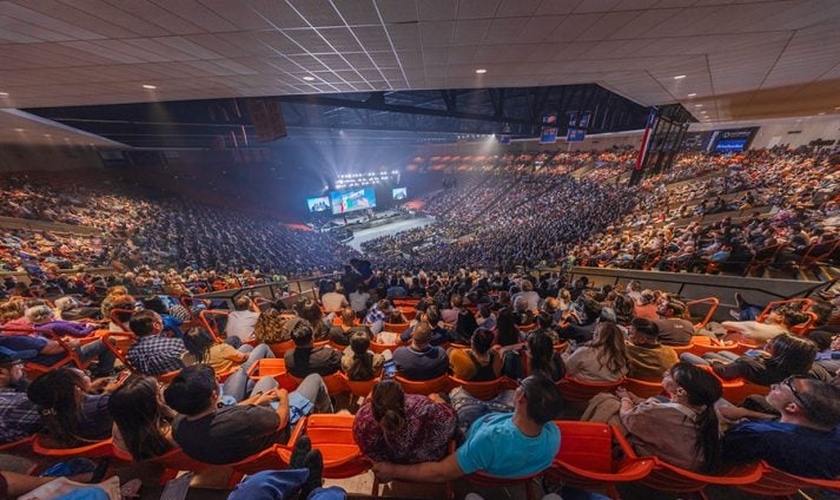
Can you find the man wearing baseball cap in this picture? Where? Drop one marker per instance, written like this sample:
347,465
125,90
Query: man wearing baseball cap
18,416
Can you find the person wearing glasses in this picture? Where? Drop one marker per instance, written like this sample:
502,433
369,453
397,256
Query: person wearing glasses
805,439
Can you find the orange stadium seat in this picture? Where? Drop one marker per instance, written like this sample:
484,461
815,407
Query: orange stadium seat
666,477
333,435
586,459
710,304
99,449
19,446
360,388
279,348
776,483
643,388
211,319
425,387
483,390
581,391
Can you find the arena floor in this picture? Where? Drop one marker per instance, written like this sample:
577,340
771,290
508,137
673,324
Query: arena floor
364,235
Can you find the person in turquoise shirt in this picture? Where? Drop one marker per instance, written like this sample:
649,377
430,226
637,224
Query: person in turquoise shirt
505,445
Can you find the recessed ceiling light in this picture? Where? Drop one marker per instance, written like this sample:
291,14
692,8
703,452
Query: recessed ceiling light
47,135
679,77
693,94
149,87
18,130
480,71
836,108
698,105
309,78
821,113
4,94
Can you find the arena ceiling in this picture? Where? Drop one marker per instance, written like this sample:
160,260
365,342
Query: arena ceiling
721,59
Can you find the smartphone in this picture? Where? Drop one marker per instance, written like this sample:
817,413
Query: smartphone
390,368
754,352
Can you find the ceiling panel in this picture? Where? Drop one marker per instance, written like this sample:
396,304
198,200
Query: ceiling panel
733,53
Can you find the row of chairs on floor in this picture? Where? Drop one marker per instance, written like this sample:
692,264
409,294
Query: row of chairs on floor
587,459
574,390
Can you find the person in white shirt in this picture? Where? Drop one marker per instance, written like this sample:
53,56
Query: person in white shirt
333,301
241,322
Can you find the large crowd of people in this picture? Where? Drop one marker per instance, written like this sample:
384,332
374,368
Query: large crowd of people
476,326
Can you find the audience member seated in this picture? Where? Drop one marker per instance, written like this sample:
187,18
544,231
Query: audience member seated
310,310
241,322
479,362
529,296
536,356
648,358
49,352
673,329
72,413
269,326
333,301
153,353
171,324
420,360
19,415
778,322
142,421
341,334
646,308
803,442
403,428
430,315
682,430
507,333
44,317
377,315
70,308
117,298
306,359
603,359
506,445
579,323
232,433
783,356
359,300
222,357
360,363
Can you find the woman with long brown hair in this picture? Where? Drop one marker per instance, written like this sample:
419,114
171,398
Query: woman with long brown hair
603,359
403,428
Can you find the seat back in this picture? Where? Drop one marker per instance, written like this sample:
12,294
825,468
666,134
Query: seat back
380,348
116,316
99,449
643,388
333,435
483,390
703,310
212,321
666,477
360,388
776,483
335,383
582,391
268,459
439,384
396,327
280,348
587,445
267,367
